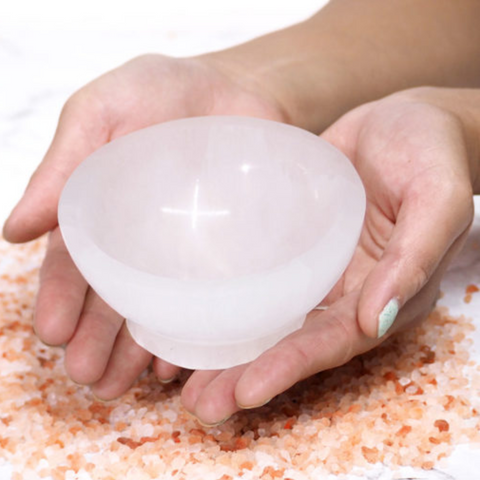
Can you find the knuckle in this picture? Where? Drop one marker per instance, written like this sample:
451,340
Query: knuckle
415,94
345,338
73,103
84,100
299,359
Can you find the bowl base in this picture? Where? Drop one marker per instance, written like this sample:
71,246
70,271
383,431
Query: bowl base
197,356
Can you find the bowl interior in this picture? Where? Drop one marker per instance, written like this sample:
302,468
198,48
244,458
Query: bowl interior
211,198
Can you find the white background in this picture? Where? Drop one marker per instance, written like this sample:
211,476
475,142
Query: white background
50,48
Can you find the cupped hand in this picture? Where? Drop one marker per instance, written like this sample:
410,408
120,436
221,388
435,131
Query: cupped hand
418,164
145,91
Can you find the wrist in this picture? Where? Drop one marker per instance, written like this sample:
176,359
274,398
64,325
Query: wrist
287,70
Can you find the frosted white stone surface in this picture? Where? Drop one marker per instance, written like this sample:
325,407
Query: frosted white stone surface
213,236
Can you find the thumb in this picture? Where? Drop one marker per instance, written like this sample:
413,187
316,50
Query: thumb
82,128
430,227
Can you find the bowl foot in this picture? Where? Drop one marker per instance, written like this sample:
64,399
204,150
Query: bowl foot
198,356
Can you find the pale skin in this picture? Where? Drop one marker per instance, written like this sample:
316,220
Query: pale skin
416,152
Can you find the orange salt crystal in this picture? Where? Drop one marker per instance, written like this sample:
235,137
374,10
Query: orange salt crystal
427,465
241,443
246,466
370,454
399,388
227,448
390,376
224,436
355,408
467,298
450,400
128,442
6,420
428,358
225,477
289,424
59,473
434,440
83,414
442,425
175,436
48,364
46,384
471,288
120,426
144,440
11,356
193,439
96,407
274,473
27,344
405,430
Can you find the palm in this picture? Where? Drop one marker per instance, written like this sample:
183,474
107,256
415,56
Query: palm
153,89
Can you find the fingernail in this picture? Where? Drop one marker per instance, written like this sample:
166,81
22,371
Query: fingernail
211,425
258,405
387,317
99,399
165,381
208,425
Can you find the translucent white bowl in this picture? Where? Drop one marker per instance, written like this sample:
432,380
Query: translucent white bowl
213,236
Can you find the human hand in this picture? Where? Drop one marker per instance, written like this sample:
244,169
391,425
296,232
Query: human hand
418,159
145,91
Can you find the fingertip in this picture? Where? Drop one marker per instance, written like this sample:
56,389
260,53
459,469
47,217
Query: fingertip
164,371
53,326
80,369
13,231
48,332
27,222
194,387
106,390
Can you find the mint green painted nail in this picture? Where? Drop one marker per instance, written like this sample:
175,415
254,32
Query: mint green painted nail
387,317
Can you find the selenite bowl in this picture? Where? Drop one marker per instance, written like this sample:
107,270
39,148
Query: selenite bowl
213,236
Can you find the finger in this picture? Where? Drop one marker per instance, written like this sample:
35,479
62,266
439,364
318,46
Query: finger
127,361
89,350
328,339
431,219
60,296
194,387
165,372
82,128
216,402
